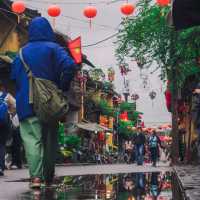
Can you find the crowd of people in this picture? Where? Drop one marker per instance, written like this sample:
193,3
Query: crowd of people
141,146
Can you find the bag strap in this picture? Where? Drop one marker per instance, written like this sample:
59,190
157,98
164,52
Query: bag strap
30,76
26,67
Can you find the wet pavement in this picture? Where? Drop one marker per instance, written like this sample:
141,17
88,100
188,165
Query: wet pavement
189,178
140,186
100,182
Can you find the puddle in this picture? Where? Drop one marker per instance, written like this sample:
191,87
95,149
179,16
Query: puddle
136,186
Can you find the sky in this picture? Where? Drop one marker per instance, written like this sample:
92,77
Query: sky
73,23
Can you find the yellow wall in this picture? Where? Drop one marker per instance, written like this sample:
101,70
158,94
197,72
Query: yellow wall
11,44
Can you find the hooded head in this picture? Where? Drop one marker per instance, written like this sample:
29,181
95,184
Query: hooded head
40,30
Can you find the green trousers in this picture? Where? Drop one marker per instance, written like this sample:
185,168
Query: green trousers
40,143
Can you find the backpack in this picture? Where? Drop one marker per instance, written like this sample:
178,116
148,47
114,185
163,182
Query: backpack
153,141
49,103
3,110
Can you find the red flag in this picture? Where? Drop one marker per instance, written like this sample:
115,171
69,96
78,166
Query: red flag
75,49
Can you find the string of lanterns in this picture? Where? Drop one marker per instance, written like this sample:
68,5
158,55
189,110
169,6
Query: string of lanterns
90,12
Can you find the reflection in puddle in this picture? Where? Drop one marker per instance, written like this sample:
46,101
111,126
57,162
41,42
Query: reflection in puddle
137,186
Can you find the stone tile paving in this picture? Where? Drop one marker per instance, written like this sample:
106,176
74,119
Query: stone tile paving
189,177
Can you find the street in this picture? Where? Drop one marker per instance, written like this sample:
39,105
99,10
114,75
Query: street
15,183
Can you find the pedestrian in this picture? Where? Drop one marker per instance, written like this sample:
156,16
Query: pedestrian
44,59
5,99
16,147
154,144
139,146
128,151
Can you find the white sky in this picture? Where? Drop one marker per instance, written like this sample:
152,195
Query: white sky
102,55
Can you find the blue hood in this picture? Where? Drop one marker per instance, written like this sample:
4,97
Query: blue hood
40,30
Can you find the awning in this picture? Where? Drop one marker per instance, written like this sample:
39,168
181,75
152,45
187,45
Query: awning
93,127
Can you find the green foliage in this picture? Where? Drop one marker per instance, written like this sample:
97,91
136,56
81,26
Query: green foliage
148,38
125,106
105,108
125,128
97,74
72,141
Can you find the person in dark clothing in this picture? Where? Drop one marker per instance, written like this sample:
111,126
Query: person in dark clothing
154,143
16,149
4,126
139,146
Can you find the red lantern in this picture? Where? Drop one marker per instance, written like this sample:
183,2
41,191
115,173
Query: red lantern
90,12
18,7
168,97
54,11
124,116
127,8
163,3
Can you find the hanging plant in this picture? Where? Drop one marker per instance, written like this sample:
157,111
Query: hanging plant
97,74
111,74
147,38
152,95
135,97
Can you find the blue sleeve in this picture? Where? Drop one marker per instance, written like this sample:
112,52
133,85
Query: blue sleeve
14,65
65,68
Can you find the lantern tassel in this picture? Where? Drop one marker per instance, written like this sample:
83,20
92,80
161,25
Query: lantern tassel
90,24
54,23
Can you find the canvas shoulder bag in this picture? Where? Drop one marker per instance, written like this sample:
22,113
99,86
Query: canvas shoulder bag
49,102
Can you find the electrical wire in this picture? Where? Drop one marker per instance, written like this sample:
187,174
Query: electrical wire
101,41
77,3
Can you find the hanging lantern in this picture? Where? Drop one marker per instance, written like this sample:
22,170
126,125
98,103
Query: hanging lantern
135,97
124,116
127,9
90,12
168,97
18,7
152,95
54,11
163,3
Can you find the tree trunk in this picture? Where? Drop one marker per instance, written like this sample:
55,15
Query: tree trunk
175,143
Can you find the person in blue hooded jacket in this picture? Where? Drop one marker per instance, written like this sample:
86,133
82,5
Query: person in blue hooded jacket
47,60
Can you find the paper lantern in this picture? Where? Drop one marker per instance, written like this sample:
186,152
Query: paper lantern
90,12
168,97
163,3
127,9
124,116
18,7
54,11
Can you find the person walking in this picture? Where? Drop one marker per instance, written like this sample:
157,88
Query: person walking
154,143
6,104
139,146
44,59
128,151
16,146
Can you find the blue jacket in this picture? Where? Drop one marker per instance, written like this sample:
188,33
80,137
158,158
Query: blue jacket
46,59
